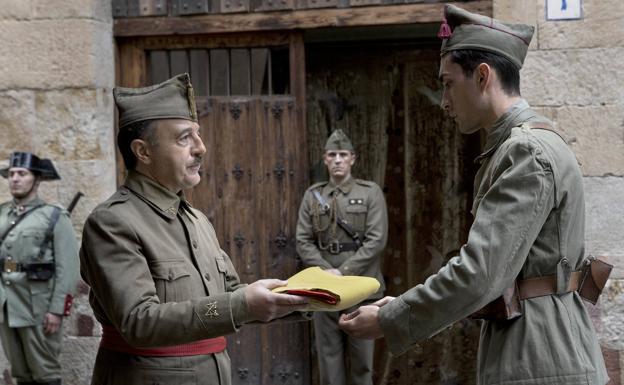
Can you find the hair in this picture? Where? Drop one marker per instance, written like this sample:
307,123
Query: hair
145,130
508,73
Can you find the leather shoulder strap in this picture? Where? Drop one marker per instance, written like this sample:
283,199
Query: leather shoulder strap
56,213
16,222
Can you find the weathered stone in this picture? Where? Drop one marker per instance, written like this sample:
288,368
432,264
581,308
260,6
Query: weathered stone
56,54
15,10
612,307
574,77
596,134
600,26
77,359
17,122
513,11
74,124
604,207
71,9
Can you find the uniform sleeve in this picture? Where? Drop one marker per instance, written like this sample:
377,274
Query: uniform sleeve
375,236
306,239
120,279
507,222
66,266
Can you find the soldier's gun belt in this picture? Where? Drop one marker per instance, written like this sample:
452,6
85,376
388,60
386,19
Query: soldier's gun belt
337,247
40,271
588,282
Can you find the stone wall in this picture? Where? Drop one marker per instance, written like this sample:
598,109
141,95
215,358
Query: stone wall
574,74
55,100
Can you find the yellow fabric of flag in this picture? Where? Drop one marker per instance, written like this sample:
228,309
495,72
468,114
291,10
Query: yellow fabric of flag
329,292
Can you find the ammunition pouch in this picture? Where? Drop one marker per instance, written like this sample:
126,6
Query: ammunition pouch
588,282
39,271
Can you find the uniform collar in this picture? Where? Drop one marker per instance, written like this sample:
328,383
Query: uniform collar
345,187
21,209
515,115
161,199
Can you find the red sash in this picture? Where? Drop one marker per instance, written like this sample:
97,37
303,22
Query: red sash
112,340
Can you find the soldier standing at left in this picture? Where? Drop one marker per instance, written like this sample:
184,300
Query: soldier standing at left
39,267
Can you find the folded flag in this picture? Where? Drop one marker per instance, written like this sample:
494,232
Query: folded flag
329,292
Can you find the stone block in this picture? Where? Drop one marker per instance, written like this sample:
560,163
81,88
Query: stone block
513,11
604,207
574,77
77,359
600,26
71,9
17,122
15,10
69,53
611,332
596,134
74,124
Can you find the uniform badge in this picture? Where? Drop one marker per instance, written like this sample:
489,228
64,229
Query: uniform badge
356,201
211,309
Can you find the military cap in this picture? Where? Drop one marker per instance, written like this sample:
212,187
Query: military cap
461,29
43,167
338,140
171,99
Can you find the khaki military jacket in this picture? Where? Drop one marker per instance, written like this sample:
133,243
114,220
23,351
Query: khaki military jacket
528,215
28,301
156,271
360,203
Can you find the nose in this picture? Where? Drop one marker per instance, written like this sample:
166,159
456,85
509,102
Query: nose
199,148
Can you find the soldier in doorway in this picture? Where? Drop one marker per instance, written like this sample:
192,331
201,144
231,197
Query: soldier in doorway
39,263
527,236
343,228
162,288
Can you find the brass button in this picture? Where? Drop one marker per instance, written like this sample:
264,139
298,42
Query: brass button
8,283
194,243
207,276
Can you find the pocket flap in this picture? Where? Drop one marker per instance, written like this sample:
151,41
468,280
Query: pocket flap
356,209
221,264
600,271
170,271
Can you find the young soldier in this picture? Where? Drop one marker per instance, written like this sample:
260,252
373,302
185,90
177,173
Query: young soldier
343,228
39,263
528,226
162,288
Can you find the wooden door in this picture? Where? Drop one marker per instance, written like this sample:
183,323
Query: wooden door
250,99
383,96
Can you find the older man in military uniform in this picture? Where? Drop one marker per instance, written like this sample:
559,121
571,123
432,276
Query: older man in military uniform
39,262
343,228
162,288
528,229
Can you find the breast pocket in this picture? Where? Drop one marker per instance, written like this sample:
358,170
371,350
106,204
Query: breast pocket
29,243
356,217
173,282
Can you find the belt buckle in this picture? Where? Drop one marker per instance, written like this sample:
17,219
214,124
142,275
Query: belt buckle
334,247
10,265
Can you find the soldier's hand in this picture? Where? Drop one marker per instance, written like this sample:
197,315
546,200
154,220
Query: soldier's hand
264,305
51,323
334,271
362,323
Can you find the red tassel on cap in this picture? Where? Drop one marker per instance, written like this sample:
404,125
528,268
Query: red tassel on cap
445,30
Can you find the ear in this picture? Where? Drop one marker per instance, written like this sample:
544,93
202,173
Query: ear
483,74
353,157
141,150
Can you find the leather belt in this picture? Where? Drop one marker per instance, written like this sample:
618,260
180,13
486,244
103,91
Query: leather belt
337,247
546,285
112,340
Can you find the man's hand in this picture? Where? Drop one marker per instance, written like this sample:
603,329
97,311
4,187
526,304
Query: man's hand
264,305
51,323
362,323
384,301
334,271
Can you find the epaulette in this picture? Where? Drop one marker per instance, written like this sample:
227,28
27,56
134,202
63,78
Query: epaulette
58,206
121,195
366,183
317,185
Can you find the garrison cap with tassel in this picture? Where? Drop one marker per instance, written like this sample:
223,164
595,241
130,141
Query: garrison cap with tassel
42,167
338,140
461,29
171,99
